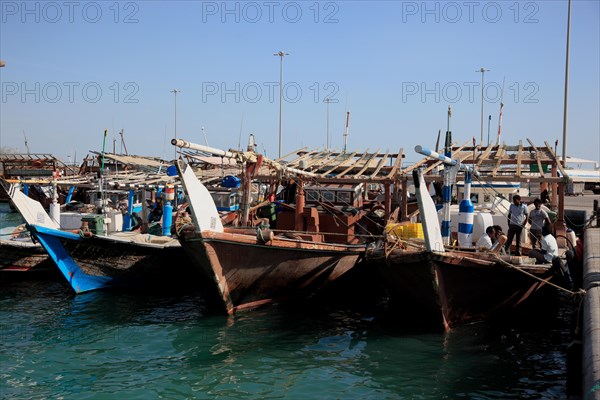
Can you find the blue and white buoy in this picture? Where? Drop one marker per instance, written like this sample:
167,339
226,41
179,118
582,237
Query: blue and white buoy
466,215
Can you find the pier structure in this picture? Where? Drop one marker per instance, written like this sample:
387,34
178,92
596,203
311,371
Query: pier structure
591,314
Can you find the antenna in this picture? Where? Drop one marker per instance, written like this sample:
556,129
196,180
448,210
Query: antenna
240,137
204,134
346,131
123,143
26,145
500,116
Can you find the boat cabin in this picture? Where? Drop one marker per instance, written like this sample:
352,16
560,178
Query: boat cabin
341,195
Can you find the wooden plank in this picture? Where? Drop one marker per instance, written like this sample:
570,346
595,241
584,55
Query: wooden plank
331,160
397,164
350,158
363,169
485,155
380,165
318,157
289,154
353,165
296,162
499,155
555,159
537,157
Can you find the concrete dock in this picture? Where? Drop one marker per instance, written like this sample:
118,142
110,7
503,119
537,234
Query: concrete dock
591,314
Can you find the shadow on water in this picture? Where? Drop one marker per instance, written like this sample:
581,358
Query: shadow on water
341,344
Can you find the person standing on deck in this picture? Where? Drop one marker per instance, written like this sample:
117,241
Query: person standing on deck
538,218
549,247
517,218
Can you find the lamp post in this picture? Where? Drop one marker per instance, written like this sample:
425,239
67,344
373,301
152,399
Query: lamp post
483,71
489,122
564,144
175,91
327,101
281,54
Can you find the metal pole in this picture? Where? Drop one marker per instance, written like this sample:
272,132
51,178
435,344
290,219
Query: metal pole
327,101
564,146
175,91
328,124
281,54
483,71
489,122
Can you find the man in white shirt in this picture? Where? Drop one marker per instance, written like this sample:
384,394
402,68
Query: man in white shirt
549,248
537,218
486,240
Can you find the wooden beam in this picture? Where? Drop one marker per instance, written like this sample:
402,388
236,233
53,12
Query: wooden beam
295,162
397,164
289,154
354,165
489,179
485,155
537,157
331,160
380,165
364,168
350,158
317,157
553,155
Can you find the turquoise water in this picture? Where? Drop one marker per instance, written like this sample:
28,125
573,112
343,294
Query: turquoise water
144,345
8,221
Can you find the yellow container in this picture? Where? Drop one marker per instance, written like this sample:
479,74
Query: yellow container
394,230
411,231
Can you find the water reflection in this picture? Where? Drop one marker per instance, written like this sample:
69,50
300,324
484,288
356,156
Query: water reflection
148,344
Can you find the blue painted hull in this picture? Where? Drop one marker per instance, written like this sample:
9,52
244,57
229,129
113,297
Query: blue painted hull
100,262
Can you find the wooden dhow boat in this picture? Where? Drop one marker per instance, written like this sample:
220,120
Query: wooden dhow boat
22,256
248,268
441,288
90,261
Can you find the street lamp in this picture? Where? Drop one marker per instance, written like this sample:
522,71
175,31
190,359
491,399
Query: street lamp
175,91
281,54
564,144
327,101
483,71
489,122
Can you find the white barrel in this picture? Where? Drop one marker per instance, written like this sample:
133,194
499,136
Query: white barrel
480,223
55,212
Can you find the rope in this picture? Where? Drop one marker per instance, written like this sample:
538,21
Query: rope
580,292
589,221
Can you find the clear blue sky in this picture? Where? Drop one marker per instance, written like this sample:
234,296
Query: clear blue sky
76,68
